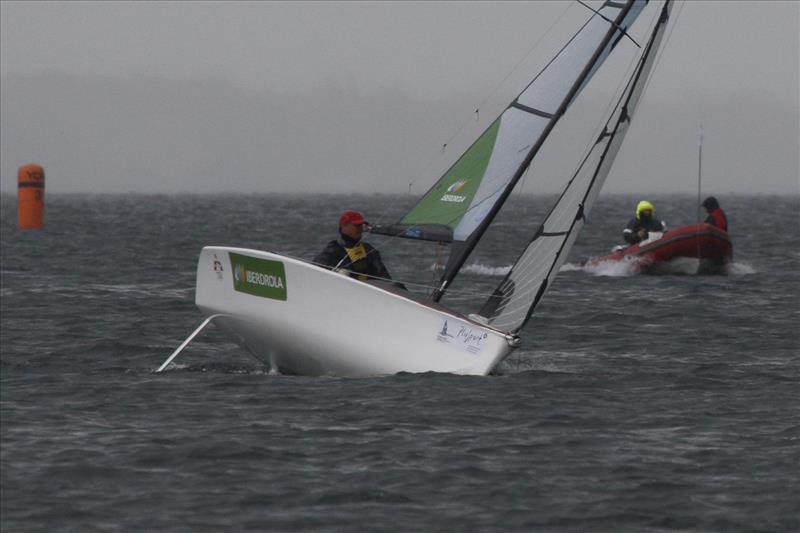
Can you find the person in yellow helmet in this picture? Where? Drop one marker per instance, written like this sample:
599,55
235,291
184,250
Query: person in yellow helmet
642,224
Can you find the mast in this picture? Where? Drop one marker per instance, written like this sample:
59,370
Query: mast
460,252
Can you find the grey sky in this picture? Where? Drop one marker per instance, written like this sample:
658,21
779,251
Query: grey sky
342,96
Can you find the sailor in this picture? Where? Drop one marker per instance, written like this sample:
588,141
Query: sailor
642,224
716,216
349,253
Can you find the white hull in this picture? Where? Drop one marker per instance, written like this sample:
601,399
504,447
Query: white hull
302,319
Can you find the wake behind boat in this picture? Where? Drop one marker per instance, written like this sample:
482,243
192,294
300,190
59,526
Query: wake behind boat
288,312
697,248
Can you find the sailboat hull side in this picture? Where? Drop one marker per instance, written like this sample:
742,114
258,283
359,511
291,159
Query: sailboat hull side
303,319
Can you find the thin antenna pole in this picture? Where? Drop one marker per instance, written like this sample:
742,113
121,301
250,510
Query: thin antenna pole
699,188
699,170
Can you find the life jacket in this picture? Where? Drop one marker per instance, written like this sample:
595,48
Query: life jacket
359,262
717,218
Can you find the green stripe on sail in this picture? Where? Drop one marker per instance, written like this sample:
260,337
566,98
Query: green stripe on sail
452,195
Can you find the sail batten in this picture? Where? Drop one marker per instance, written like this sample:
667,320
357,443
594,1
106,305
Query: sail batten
532,111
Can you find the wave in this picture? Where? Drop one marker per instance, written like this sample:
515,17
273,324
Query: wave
614,269
142,289
682,266
485,270
740,269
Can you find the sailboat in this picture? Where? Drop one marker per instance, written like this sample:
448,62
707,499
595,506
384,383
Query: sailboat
287,312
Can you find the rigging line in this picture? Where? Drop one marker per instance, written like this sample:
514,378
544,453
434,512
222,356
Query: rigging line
405,282
620,28
494,91
529,52
604,117
523,181
602,121
660,52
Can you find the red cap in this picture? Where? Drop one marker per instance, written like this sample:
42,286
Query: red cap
353,217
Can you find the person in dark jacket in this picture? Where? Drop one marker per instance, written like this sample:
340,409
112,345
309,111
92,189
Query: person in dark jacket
349,253
642,224
716,216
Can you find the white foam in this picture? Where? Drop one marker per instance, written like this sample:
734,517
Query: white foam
685,266
740,269
485,270
615,269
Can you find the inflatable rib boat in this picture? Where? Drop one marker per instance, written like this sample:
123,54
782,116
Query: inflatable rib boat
704,248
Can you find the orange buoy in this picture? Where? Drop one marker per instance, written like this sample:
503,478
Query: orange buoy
30,197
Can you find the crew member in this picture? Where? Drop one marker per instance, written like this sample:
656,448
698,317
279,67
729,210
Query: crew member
716,216
642,224
349,253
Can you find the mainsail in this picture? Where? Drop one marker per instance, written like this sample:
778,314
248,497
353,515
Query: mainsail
465,200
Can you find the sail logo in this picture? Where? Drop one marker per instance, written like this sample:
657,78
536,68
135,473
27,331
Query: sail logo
259,277
451,196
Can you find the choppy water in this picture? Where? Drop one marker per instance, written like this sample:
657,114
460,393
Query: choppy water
635,404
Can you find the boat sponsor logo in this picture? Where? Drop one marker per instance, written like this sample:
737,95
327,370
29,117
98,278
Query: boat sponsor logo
457,186
462,336
451,196
259,277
